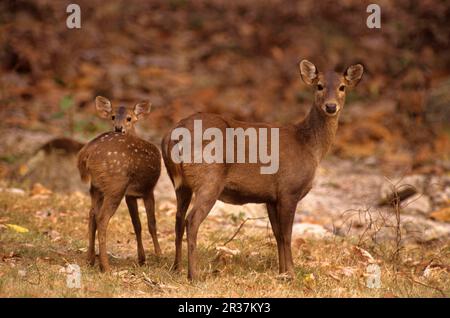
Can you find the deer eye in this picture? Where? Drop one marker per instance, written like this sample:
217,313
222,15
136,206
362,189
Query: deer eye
128,118
342,88
319,87
113,117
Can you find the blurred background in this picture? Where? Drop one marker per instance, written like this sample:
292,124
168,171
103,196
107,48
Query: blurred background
230,57
385,185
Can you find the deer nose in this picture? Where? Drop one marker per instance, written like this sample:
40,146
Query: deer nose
118,129
330,108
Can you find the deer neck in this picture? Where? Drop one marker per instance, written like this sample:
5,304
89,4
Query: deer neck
317,131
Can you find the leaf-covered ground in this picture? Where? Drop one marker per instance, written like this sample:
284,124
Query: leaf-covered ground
41,232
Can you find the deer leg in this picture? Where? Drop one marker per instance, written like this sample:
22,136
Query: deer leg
203,202
273,217
149,203
109,207
134,214
184,196
92,229
286,213
96,203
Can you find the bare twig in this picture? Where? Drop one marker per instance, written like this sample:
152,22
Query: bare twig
240,227
424,285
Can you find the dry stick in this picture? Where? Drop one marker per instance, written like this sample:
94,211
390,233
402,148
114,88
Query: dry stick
425,285
395,201
240,227
398,231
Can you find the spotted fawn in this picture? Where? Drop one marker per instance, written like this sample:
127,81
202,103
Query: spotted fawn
118,164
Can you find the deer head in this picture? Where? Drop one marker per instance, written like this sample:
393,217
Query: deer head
123,118
330,87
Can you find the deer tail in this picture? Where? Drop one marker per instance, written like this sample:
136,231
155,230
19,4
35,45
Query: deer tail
82,165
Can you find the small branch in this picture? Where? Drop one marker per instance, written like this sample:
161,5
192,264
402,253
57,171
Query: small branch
429,286
240,227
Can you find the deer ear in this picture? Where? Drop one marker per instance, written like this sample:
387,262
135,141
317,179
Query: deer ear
103,106
353,74
142,108
308,72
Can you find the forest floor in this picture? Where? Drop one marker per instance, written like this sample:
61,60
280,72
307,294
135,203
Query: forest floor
339,234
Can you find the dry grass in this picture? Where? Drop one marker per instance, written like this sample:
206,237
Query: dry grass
30,262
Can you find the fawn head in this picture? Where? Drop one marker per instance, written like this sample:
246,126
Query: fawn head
123,118
330,87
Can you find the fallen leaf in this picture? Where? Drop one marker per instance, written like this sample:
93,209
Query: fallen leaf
113,255
39,189
17,228
432,268
120,273
284,277
347,271
362,253
226,250
308,278
334,276
15,191
224,254
43,214
441,215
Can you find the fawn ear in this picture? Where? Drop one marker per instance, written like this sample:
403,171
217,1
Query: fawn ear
353,74
103,106
308,72
142,108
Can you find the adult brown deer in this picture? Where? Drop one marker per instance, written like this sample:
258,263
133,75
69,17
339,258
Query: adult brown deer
301,148
119,164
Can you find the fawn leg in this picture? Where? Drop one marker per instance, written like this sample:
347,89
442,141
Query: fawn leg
134,214
203,202
286,212
96,203
273,217
109,207
149,203
184,196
